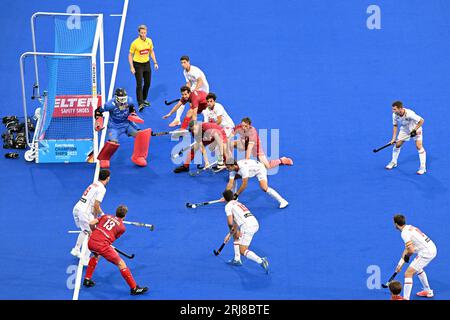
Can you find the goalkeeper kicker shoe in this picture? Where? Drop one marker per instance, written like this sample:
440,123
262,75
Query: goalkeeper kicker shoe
138,290
391,165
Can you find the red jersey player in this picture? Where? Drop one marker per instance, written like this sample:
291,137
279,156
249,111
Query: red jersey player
197,101
105,231
206,134
249,141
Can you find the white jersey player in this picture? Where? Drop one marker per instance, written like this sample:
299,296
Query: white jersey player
415,242
249,168
88,209
195,80
410,126
243,226
216,113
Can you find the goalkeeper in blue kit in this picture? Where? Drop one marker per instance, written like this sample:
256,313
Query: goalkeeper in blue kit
122,120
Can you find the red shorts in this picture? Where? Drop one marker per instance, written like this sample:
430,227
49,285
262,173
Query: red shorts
104,249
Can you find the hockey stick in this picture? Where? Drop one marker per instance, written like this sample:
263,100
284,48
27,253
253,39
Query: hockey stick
200,170
195,205
123,253
168,103
225,241
140,224
385,285
163,133
390,144
179,154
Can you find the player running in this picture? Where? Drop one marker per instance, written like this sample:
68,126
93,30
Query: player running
197,101
105,231
206,134
87,209
250,142
122,120
243,226
410,127
416,242
195,80
248,169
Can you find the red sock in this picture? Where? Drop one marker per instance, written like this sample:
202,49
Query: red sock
274,163
189,159
91,267
126,274
185,123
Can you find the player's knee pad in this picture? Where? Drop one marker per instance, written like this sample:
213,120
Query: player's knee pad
108,150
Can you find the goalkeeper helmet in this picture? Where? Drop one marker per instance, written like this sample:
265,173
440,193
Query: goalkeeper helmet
121,97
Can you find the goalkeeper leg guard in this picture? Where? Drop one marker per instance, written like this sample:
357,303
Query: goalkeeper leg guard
107,152
141,144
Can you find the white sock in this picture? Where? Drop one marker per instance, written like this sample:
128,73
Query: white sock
80,240
423,158
395,154
180,112
237,252
271,192
252,256
424,280
407,287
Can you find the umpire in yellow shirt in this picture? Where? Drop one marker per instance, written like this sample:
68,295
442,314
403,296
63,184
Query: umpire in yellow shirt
140,51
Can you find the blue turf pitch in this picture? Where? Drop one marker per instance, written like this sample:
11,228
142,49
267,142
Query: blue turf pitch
311,69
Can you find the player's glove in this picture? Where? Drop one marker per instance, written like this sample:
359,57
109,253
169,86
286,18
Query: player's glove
406,258
413,133
235,196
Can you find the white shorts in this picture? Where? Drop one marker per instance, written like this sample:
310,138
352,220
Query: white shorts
404,135
247,234
422,260
262,174
82,219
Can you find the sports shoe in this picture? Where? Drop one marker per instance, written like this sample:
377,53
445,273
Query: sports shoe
391,165
146,103
426,293
218,167
174,123
265,264
75,252
138,290
88,283
283,204
141,107
287,161
236,263
421,170
181,168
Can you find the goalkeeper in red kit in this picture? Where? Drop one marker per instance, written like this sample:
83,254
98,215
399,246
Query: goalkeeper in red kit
106,230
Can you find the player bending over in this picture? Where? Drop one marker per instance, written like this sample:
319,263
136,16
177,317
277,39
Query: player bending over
410,126
87,209
105,231
206,134
250,142
243,226
122,118
197,101
415,242
248,169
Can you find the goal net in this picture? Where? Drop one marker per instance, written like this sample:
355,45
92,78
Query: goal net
67,72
